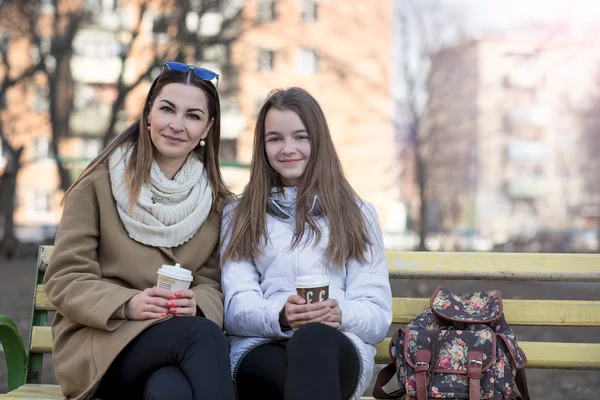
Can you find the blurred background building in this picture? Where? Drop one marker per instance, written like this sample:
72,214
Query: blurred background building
474,139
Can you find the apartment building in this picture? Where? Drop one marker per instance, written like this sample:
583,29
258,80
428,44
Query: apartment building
507,111
340,52
96,65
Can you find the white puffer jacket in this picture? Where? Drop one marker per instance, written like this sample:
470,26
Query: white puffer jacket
256,292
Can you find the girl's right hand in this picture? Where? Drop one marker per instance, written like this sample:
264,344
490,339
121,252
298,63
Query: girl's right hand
297,313
151,303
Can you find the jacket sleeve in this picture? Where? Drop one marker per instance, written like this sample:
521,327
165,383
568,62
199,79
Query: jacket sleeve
73,281
367,305
207,289
247,312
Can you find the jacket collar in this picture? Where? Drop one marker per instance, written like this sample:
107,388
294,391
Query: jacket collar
282,203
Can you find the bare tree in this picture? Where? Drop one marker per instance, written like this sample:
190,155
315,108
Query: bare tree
13,152
426,28
178,31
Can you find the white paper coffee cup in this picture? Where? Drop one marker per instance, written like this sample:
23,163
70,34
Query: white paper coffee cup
313,288
174,278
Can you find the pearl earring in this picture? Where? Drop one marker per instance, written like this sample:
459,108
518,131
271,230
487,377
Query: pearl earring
202,142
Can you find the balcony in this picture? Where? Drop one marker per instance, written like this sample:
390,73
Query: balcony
534,116
233,122
96,70
90,121
521,149
527,188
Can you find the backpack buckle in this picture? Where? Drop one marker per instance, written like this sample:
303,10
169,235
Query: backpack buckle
476,362
418,363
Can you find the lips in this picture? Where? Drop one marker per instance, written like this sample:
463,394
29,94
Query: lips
173,138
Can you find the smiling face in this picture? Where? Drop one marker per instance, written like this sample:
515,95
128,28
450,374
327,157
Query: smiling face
179,119
287,145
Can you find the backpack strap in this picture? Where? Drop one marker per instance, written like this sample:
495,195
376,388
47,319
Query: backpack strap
423,358
383,377
475,372
521,381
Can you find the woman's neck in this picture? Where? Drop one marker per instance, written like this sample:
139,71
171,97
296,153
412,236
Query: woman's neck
169,167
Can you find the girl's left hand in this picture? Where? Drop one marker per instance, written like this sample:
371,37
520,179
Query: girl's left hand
182,303
335,318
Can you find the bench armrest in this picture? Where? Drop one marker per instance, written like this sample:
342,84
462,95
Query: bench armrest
14,350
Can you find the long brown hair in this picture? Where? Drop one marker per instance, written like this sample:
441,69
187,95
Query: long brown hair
138,137
323,177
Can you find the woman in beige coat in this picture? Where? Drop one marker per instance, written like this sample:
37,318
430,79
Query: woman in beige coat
154,196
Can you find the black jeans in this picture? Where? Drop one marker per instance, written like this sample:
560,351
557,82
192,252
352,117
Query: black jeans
317,363
181,358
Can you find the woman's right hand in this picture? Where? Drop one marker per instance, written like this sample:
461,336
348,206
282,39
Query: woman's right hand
297,313
151,303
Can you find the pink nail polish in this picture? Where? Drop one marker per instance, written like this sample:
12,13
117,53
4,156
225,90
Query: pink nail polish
172,310
170,303
177,294
173,296
163,314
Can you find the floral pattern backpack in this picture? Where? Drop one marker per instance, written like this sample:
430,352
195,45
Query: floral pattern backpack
458,348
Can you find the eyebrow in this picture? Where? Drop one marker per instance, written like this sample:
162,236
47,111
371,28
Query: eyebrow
294,132
189,109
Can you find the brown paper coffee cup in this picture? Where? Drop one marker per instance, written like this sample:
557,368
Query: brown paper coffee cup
313,288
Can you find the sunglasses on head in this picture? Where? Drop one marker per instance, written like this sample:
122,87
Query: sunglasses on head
202,73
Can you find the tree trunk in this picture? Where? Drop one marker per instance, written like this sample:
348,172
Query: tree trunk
8,191
422,181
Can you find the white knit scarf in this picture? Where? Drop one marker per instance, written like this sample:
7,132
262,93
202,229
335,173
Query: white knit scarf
168,212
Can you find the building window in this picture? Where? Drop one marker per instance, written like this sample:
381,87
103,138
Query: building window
40,99
309,11
228,149
40,148
266,60
42,201
91,148
46,6
265,11
307,62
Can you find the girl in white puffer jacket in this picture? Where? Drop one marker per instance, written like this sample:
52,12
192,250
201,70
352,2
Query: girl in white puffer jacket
299,216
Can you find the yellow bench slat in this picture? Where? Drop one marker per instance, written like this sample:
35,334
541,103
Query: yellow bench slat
546,355
518,312
41,300
49,392
41,340
494,266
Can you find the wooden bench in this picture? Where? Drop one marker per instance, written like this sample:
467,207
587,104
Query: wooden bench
25,367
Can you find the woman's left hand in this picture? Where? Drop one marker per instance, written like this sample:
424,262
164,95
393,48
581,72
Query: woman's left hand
335,318
183,303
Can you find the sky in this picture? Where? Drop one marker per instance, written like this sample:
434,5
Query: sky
485,15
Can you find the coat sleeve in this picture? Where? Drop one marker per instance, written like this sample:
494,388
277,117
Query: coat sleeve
207,289
73,281
367,305
247,312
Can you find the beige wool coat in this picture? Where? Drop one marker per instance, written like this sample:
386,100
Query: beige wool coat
96,268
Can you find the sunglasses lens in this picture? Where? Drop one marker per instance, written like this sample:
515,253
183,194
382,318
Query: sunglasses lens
205,74
177,66
201,73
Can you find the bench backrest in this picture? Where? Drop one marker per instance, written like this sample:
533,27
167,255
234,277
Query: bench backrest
431,265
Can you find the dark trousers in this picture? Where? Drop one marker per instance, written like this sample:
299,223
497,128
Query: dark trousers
317,363
181,358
